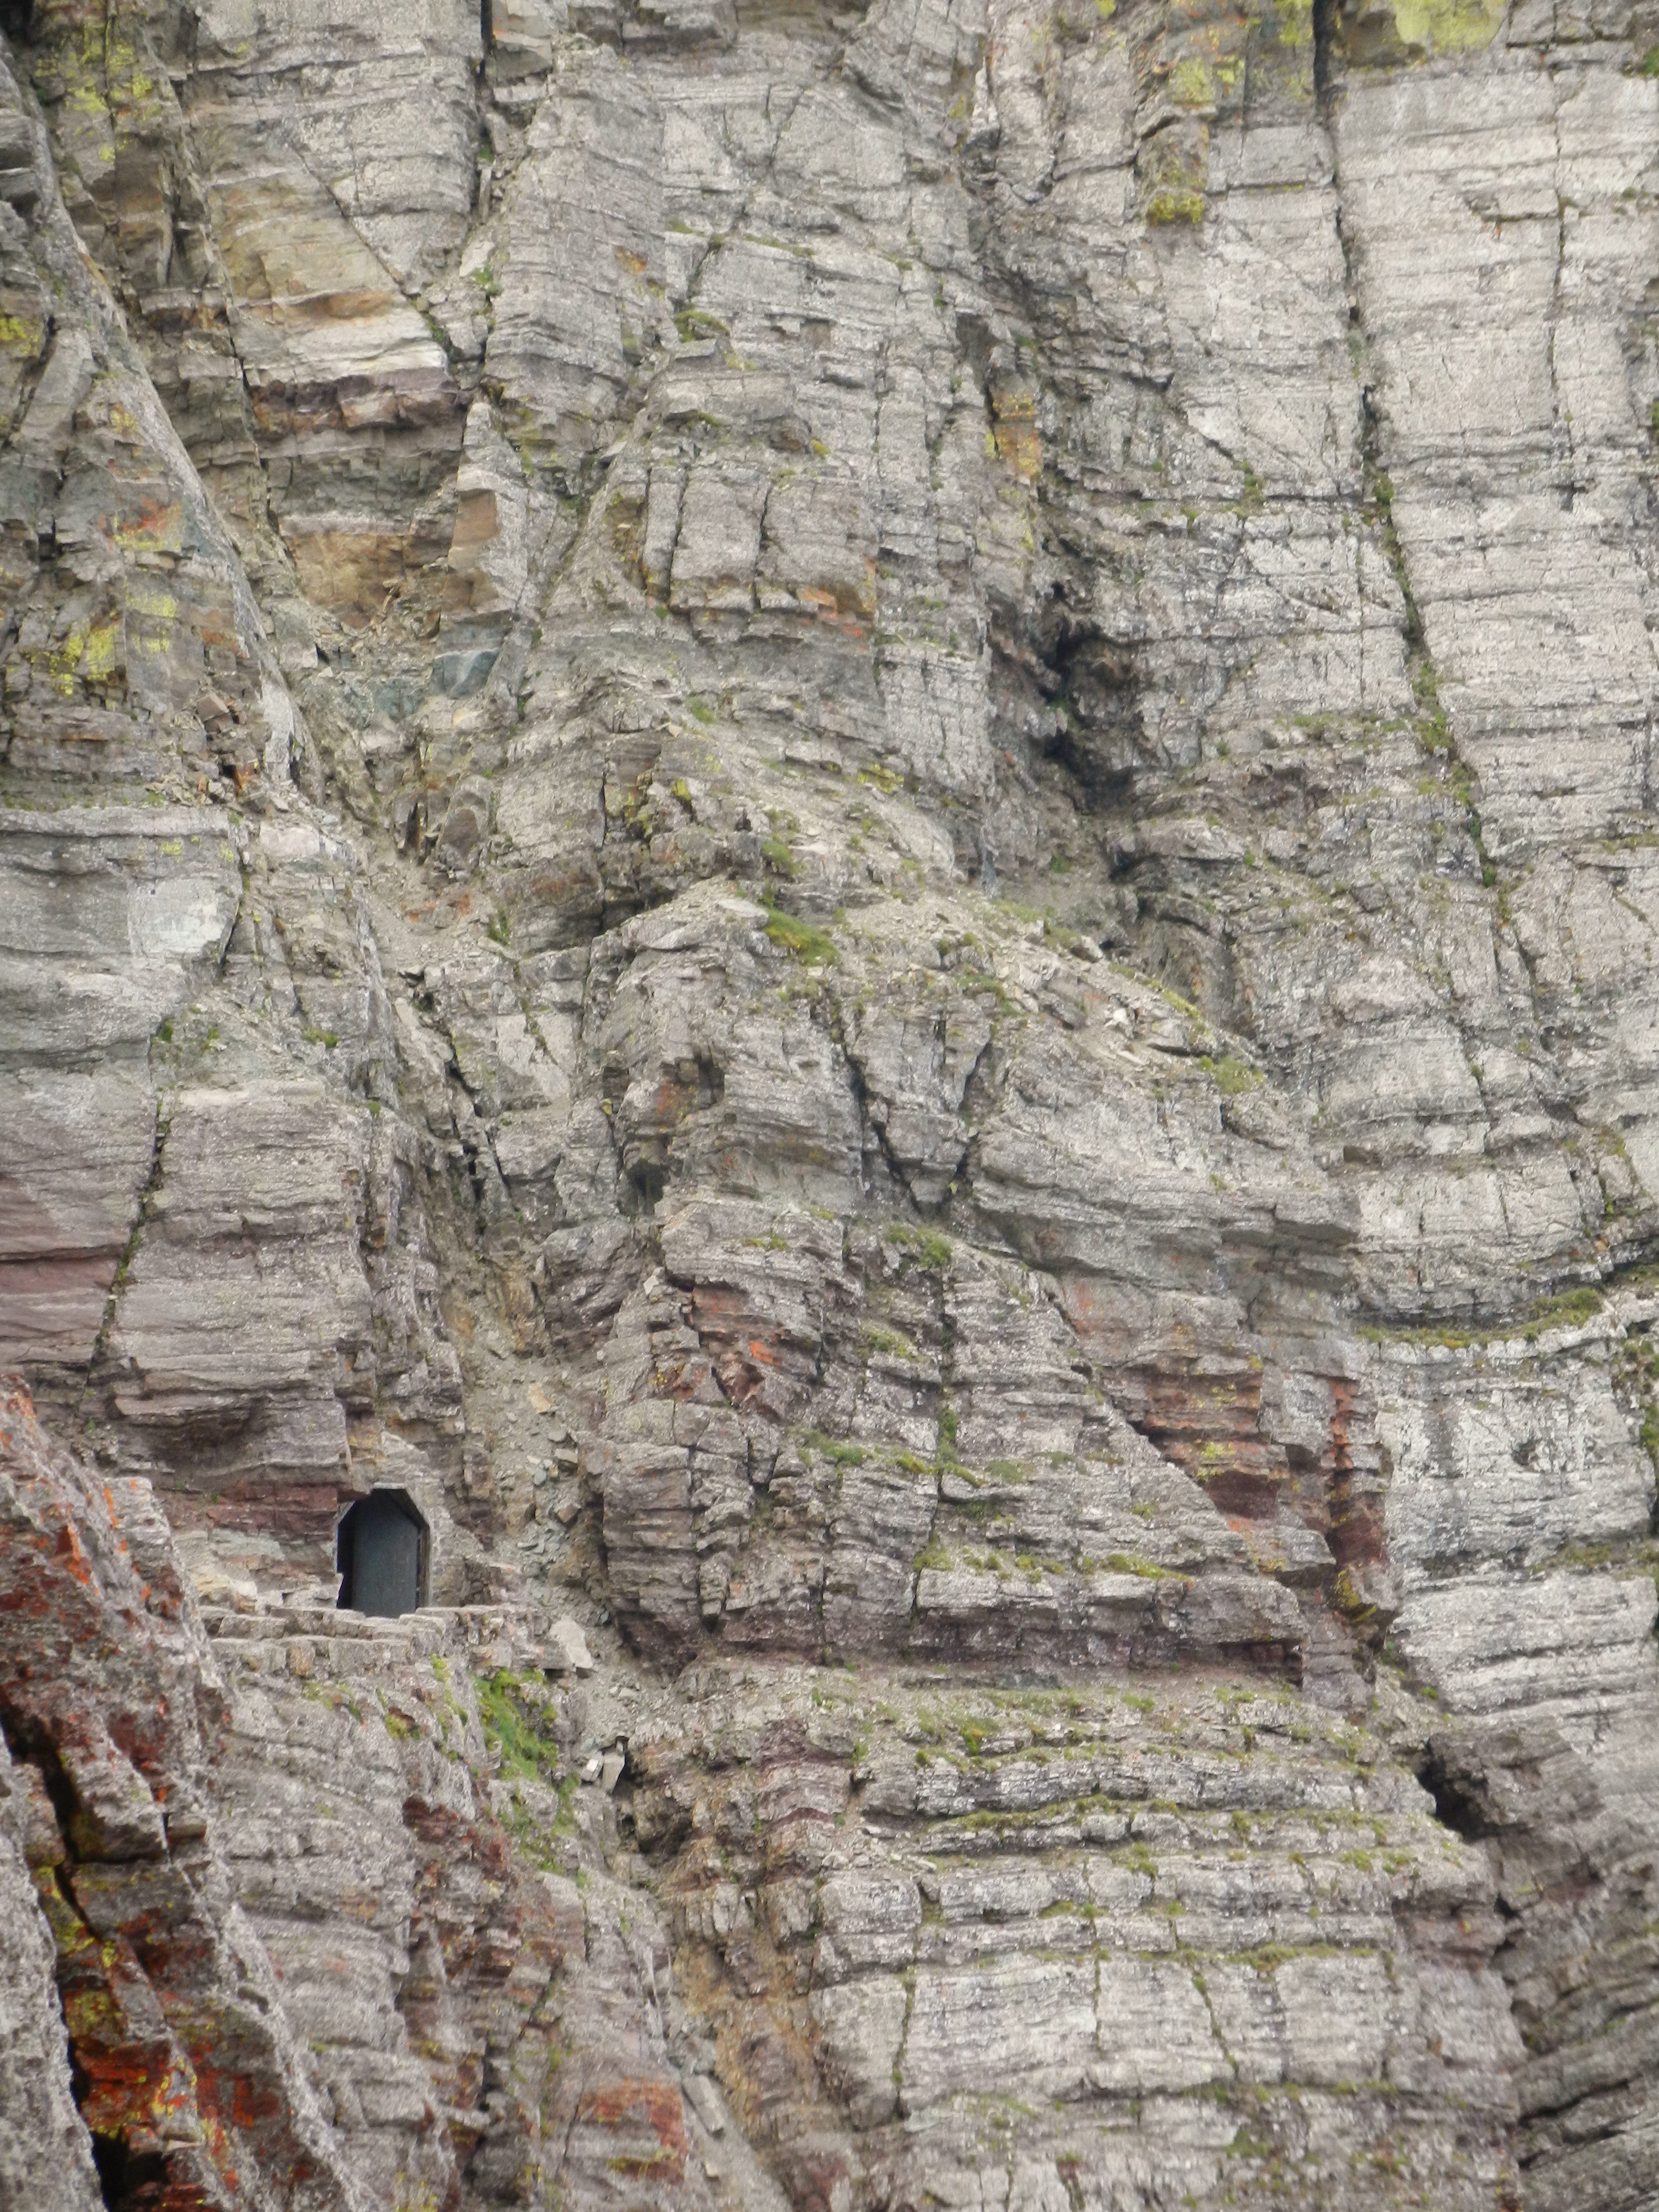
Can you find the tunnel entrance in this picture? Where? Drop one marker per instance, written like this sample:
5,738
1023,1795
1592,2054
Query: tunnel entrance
381,1549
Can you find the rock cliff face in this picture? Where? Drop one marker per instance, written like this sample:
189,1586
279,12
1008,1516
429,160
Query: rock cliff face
844,819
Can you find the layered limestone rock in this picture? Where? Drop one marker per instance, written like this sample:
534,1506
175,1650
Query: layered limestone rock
299,1959
842,821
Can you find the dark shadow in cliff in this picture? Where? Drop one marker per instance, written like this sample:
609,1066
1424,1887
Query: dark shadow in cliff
1325,38
1461,1799
125,2177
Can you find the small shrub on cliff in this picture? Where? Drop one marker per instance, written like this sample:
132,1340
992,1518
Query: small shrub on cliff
517,1746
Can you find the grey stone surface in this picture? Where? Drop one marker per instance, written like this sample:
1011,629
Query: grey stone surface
45,2154
846,819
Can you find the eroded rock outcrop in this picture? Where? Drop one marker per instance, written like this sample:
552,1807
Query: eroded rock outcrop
841,820
297,1958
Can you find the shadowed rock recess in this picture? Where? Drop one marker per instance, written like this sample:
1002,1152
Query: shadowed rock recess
844,820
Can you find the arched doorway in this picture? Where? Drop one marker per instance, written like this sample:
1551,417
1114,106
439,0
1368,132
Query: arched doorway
381,1549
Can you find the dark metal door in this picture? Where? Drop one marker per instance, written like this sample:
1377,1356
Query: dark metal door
386,1560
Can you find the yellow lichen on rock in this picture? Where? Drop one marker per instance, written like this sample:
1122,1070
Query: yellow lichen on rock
1448,26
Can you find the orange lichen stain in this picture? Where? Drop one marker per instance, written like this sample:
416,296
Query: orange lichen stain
1017,446
70,1555
1013,409
637,2103
118,1538
845,606
156,523
250,2102
135,2077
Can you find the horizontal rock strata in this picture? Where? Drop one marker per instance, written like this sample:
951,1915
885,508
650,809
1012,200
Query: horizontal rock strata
843,822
